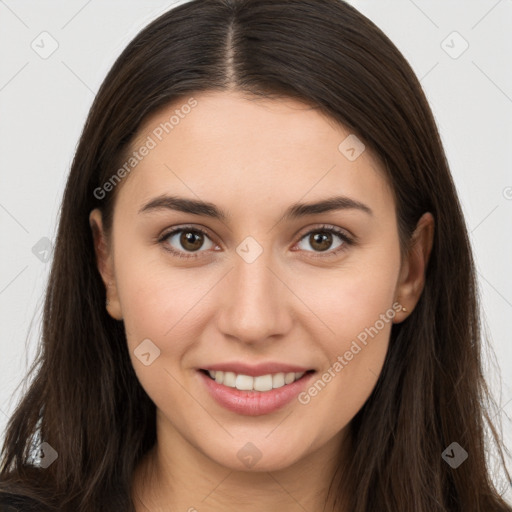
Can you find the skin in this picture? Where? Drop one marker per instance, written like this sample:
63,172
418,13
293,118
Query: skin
295,304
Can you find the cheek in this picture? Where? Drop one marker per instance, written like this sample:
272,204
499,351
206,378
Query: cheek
153,295
355,306
351,298
355,357
160,308
160,305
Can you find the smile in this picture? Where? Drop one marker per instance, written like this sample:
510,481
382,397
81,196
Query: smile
264,392
260,383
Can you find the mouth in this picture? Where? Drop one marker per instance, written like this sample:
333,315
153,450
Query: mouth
257,394
260,383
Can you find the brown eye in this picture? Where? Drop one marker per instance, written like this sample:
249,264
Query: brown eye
322,240
184,242
191,240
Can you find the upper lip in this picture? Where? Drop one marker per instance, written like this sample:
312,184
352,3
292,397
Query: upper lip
256,370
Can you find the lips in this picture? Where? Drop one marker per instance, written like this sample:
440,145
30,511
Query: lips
254,390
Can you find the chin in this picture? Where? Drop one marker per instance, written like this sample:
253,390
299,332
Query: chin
258,455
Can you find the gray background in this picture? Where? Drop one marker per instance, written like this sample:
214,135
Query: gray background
44,102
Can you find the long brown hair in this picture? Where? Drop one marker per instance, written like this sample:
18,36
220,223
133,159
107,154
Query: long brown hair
84,399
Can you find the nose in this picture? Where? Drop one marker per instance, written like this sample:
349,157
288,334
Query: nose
254,304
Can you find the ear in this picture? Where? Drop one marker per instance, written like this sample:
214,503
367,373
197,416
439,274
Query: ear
412,273
105,263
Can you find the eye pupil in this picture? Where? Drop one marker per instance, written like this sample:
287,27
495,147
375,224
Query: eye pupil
191,237
323,238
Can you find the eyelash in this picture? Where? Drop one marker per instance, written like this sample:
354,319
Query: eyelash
347,241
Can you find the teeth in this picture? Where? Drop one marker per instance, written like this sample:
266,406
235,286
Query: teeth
263,383
244,382
289,378
229,379
278,380
260,383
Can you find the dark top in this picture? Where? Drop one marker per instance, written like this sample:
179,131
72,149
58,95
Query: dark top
6,506
17,504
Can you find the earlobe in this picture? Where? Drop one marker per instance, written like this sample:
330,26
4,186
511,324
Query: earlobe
104,262
412,275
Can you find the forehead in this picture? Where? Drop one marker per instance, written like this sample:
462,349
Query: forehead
249,151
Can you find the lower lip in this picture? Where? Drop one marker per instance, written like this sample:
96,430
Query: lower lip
255,403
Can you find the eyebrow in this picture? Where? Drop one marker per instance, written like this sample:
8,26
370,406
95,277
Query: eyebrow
295,211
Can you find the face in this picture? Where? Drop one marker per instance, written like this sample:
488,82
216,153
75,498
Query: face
258,330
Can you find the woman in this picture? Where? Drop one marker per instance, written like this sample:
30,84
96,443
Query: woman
263,295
